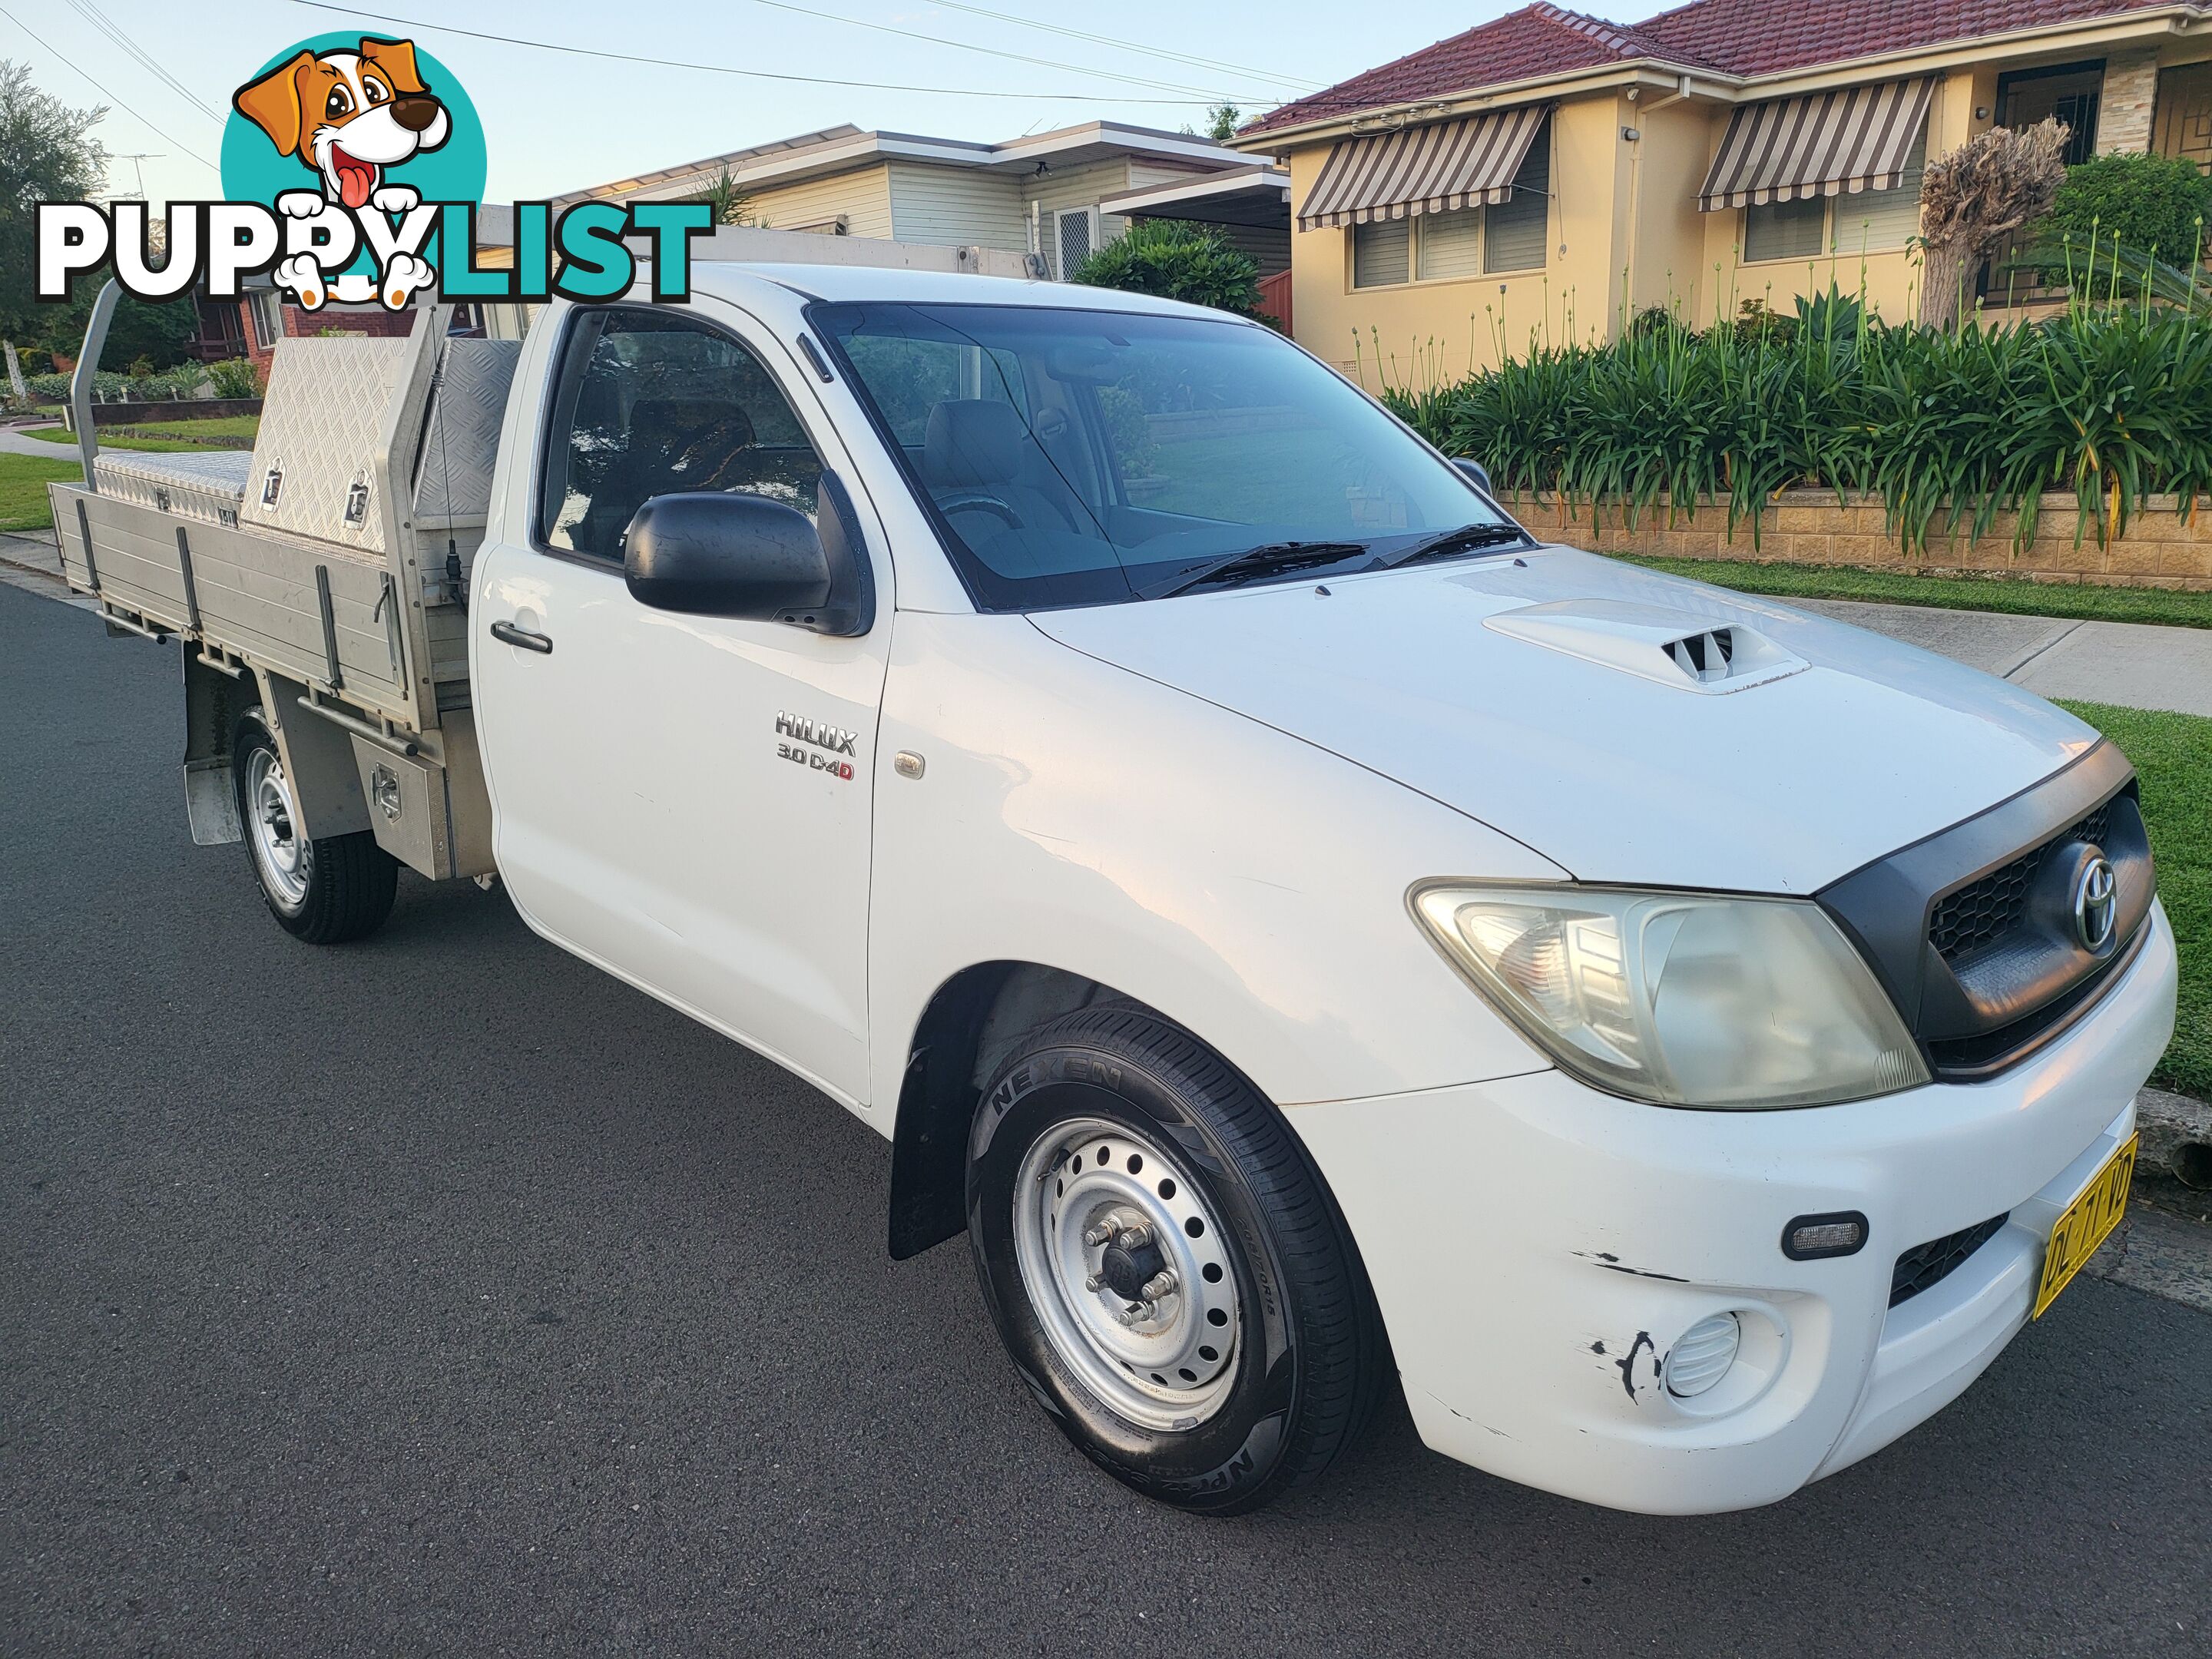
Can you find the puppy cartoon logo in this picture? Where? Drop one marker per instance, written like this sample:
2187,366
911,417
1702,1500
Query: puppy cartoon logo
349,115
352,171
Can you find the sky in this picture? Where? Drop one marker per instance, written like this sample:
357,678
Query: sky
559,121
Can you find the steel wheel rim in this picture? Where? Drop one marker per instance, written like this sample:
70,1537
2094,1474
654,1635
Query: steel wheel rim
280,852
1173,1366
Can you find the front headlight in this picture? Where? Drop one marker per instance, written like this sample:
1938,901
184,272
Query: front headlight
1685,998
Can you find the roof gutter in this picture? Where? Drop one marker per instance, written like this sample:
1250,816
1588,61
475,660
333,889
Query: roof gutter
1681,91
1383,116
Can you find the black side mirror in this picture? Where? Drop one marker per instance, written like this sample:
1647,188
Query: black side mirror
1477,474
711,554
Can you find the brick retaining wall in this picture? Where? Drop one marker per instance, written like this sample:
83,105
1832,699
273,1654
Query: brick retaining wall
1806,526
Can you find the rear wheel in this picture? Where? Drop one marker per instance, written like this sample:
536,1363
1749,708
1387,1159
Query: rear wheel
324,891
1165,1265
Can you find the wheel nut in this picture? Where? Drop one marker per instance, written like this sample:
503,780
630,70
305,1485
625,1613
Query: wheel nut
1133,1313
1136,1237
1098,1234
1159,1285
1095,1283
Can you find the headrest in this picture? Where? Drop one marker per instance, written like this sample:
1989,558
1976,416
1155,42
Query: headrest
971,442
665,426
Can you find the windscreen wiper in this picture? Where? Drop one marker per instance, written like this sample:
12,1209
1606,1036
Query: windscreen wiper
1456,541
1265,560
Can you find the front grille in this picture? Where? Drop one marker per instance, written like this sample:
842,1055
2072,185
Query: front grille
1965,1060
1983,912
1926,1266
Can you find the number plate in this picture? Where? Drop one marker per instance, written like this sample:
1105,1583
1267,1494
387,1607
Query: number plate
2088,1221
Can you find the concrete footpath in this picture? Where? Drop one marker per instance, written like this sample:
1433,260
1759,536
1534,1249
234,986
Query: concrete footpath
13,442
2130,664
33,563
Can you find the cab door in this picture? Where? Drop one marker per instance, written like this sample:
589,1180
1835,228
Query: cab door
684,801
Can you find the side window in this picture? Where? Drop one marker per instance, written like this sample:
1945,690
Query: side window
649,403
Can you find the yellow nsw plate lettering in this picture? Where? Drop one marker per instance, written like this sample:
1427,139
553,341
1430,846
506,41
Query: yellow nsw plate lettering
2088,1221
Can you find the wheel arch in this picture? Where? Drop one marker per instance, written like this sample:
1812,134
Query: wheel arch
967,1023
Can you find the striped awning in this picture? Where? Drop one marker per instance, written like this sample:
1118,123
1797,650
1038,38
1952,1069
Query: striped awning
1824,143
1431,169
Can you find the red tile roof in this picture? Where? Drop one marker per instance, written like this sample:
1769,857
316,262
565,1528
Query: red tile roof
1764,37
1735,37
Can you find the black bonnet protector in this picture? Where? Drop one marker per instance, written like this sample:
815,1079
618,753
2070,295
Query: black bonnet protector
1974,930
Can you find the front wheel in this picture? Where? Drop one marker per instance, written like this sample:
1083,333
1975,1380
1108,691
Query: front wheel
1166,1267
324,891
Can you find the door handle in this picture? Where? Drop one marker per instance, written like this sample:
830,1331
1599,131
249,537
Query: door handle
509,634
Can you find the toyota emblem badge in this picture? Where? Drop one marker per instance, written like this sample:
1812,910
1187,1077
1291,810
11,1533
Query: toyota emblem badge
2095,904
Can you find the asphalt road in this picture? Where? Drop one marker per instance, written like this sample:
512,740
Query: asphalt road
441,1295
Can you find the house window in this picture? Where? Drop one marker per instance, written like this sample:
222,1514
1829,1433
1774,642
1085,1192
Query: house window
1451,243
2185,113
268,317
1075,235
1381,253
1437,247
1514,231
1786,230
1879,219
1868,222
2068,93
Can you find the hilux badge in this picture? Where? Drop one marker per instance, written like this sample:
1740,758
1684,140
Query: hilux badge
2095,890
835,740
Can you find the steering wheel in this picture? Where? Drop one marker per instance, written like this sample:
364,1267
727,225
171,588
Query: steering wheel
976,501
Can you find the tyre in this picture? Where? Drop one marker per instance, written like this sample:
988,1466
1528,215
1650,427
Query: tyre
1164,1264
325,891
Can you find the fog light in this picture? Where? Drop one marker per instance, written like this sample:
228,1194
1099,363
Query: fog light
1701,1356
1810,1238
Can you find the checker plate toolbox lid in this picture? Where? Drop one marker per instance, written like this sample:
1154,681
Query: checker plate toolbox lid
327,415
209,487
460,448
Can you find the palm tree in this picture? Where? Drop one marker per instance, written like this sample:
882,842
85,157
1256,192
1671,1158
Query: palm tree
731,206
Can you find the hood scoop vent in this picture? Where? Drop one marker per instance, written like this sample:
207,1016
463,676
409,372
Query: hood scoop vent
1667,647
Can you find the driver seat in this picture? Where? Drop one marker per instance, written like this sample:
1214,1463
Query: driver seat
976,447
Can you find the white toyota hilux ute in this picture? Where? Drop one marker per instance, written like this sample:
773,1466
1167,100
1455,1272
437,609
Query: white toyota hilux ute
1299,926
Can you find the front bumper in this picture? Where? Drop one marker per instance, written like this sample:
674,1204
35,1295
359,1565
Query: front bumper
1536,1246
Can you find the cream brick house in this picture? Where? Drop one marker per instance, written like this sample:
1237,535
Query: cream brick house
1551,173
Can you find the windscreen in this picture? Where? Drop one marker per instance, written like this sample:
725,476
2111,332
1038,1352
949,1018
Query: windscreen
1088,457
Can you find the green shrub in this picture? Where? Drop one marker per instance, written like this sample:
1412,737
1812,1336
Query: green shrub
153,388
237,378
1175,259
1949,427
2156,203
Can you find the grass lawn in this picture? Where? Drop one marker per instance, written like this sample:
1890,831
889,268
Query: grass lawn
1816,582
2173,754
221,426
165,437
23,481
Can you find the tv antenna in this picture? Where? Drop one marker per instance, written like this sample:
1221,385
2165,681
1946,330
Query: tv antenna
138,191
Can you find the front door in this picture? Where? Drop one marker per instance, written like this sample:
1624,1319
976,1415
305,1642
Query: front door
684,800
